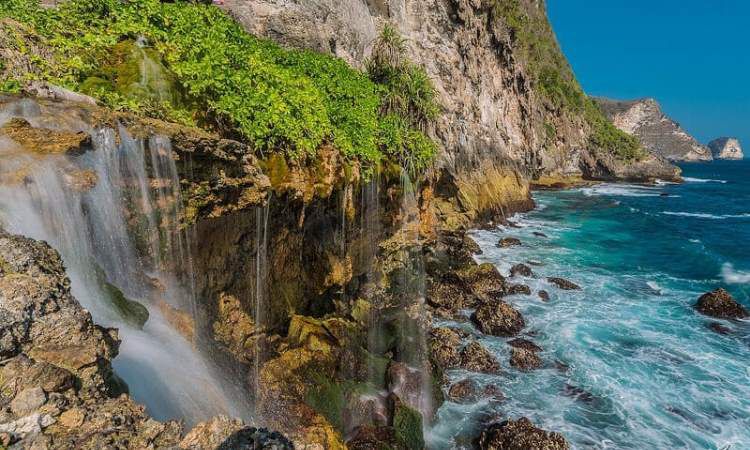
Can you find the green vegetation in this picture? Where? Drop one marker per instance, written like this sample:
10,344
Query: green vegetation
195,65
552,77
407,423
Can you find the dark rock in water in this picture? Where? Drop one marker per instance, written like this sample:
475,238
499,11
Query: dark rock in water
579,394
561,366
483,280
544,295
521,269
532,262
564,284
251,438
493,392
509,242
512,224
664,194
448,295
476,358
540,234
518,289
464,391
524,344
498,319
520,434
525,360
719,328
720,304
445,344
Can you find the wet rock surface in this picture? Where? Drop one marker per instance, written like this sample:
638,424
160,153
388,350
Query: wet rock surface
543,295
464,391
518,289
56,378
498,319
524,359
508,242
720,304
564,284
521,269
524,344
476,358
520,434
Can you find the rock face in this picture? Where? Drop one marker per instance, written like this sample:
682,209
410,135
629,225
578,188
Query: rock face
493,117
661,135
57,387
726,148
721,304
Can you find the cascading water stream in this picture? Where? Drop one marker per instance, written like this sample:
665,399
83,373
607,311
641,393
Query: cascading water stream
117,237
260,300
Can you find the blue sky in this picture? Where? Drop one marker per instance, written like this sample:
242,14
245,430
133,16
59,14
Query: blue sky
693,56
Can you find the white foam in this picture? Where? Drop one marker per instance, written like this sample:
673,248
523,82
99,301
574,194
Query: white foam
732,276
621,190
706,215
703,180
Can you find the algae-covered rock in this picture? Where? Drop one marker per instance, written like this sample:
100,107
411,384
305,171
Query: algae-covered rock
520,434
498,319
131,311
720,303
407,425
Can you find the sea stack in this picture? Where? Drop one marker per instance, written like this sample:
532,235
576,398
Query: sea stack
726,148
658,133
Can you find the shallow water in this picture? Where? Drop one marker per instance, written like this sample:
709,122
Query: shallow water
644,371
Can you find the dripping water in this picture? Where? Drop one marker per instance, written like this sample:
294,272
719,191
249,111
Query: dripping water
100,231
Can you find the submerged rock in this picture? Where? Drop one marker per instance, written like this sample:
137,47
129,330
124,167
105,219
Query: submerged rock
521,269
476,358
524,344
720,303
524,359
520,434
464,391
498,319
719,328
518,289
564,284
508,242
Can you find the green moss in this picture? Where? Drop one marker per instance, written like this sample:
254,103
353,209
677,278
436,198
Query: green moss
130,310
330,398
407,423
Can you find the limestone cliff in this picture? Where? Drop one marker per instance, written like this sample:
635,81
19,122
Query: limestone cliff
663,136
726,148
509,97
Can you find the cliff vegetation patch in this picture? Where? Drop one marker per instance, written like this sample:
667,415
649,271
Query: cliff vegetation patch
193,64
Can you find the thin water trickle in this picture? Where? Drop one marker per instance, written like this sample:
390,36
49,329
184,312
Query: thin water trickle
111,227
260,300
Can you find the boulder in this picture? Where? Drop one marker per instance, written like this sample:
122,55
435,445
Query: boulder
564,284
520,434
464,391
521,269
498,319
445,344
484,280
524,359
476,358
508,242
518,289
28,400
544,295
524,344
720,304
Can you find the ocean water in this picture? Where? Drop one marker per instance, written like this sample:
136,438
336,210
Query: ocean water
630,364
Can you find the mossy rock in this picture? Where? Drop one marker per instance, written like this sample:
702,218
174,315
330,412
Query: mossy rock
407,423
331,398
131,311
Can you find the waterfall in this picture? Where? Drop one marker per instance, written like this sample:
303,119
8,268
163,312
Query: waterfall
260,300
114,214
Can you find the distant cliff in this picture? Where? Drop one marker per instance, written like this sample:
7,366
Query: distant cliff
661,135
726,148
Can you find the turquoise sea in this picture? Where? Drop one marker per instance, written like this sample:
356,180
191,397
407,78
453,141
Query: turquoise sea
630,364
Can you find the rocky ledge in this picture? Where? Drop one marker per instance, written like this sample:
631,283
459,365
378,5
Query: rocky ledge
726,148
660,135
57,386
